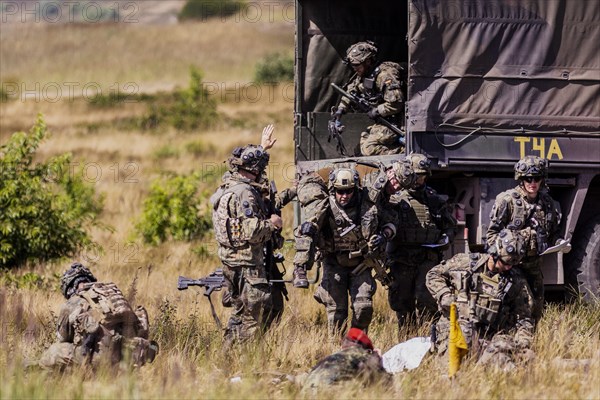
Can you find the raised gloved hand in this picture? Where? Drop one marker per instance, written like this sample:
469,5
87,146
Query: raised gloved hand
373,113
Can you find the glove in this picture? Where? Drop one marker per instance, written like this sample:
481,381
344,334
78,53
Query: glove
446,301
375,241
336,112
373,113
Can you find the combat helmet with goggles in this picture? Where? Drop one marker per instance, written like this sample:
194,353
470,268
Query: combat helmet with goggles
404,172
343,179
420,163
531,166
360,52
72,277
250,158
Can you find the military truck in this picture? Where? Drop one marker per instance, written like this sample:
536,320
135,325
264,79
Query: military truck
488,82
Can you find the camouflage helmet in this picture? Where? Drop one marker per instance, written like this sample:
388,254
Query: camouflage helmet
404,173
72,277
360,52
250,158
343,178
509,247
420,163
531,166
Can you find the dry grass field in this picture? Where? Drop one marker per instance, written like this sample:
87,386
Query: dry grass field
122,163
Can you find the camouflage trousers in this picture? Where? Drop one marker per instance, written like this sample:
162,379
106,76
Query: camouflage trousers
251,300
380,140
408,292
501,350
532,271
338,282
136,351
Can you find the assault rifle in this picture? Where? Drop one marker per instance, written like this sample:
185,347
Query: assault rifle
372,260
363,105
214,281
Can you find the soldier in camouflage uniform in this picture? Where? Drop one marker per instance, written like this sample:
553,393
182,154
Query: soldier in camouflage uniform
493,301
339,230
243,228
529,209
97,326
425,224
382,86
357,360
314,201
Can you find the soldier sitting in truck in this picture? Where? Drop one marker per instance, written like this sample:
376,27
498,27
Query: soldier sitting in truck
381,87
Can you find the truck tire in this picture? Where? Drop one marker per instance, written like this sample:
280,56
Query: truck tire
582,264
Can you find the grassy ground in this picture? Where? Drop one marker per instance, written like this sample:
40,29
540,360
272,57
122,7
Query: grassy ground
123,163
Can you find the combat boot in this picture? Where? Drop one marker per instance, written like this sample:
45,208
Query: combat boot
300,280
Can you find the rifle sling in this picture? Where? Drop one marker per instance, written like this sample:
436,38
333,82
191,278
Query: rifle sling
214,313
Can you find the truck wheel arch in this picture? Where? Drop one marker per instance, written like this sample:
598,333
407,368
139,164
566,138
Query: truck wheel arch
582,264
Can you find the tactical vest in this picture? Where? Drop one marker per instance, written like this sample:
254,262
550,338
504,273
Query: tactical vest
109,308
228,227
479,296
524,212
415,223
346,230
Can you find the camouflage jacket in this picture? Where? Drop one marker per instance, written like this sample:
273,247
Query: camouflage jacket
332,230
383,88
538,221
240,220
99,317
423,216
348,364
487,303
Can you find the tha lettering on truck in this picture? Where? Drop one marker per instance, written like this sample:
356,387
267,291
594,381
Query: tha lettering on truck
539,145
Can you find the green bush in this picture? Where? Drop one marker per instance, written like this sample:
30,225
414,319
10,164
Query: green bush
164,152
206,9
47,208
188,109
274,68
173,210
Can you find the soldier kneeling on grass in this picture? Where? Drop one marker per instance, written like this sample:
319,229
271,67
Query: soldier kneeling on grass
493,303
97,325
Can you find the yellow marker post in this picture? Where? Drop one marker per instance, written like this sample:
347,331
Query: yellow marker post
457,345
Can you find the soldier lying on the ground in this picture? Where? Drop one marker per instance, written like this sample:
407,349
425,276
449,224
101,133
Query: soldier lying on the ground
97,325
357,360
493,300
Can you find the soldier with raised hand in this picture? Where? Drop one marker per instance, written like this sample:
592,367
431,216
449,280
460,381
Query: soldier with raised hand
97,325
493,302
530,209
381,85
425,226
243,227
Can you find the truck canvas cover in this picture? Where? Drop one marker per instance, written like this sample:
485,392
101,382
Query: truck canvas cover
504,64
